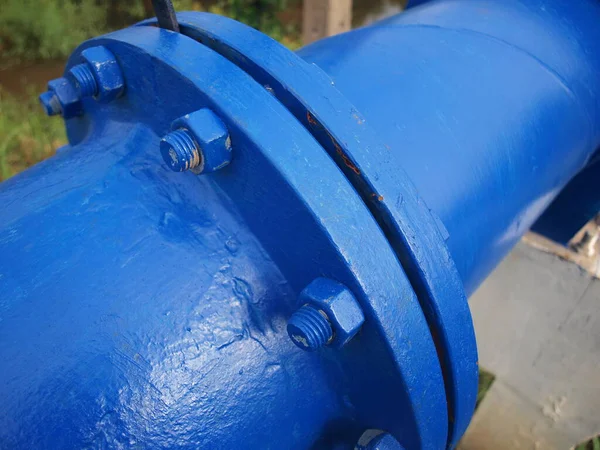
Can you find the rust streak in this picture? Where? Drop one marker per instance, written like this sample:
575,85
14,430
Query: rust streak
347,161
311,119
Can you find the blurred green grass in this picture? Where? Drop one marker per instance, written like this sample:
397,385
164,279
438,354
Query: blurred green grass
27,135
34,30
591,444
486,379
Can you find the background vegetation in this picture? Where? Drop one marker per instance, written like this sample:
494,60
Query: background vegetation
51,29
37,34
27,135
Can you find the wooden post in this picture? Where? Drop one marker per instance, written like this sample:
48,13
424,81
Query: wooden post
322,18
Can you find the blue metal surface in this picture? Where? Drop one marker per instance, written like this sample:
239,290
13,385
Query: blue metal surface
415,233
576,204
473,95
141,307
160,298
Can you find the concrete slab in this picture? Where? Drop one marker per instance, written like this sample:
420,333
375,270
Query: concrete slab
506,420
537,320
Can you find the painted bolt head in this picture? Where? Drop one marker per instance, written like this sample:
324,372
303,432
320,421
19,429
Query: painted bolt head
211,138
62,91
106,71
50,103
338,304
377,440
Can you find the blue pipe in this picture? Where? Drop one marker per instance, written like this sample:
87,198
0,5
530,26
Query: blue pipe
488,141
360,189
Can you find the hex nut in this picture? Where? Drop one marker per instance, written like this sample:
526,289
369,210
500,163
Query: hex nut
106,71
339,305
211,136
67,96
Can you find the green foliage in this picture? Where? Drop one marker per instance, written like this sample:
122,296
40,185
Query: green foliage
47,29
486,379
51,29
262,15
187,5
592,444
27,135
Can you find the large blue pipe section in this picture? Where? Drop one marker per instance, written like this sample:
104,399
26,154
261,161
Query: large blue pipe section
508,92
246,247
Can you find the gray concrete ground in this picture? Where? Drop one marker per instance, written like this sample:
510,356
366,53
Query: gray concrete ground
537,320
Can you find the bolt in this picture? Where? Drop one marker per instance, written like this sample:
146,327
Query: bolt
98,76
377,440
86,84
180,151
330,316
309,328
50,103
61,98
198,141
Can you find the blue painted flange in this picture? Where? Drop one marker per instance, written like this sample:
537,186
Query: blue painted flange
416,234
129,344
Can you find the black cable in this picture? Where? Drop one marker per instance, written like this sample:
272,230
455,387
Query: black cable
165,13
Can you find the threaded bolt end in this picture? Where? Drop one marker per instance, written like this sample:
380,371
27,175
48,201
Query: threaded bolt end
50,103
87,85
309,328
179,150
